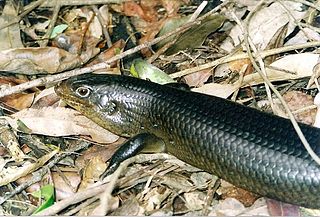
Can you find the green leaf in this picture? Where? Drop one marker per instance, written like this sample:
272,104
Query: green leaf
57,30
46,193
142,69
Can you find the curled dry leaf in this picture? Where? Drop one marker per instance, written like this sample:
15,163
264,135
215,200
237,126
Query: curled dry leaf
130,207
103,151
198,79
10,36
45,98
278,208
62,189
155,197
60,122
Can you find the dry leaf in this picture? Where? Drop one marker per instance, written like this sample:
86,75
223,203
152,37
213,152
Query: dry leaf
10,36
219,90
45,98
62,189
32,61
103,151
60,122
228,207
195,200
265,23
278,208
198,79
17,101
93,169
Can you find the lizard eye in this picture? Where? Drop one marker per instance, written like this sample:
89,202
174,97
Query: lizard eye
83,91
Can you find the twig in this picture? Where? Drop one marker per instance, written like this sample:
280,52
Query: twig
241,73
316,6
80,206
198,11
53,20
296,22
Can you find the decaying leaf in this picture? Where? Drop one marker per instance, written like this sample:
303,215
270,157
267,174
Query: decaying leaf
197,79
60,122
17,101
297,100
196,35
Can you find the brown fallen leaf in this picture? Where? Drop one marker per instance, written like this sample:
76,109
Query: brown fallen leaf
197,79
228,190
17,101
10,36
228,207
60,122
130,207
103,151
93,169
62,189
107,54
35,60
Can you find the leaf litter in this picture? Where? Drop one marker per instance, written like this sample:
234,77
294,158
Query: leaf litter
211,57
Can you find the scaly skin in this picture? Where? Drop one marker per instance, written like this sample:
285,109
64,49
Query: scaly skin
251,149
